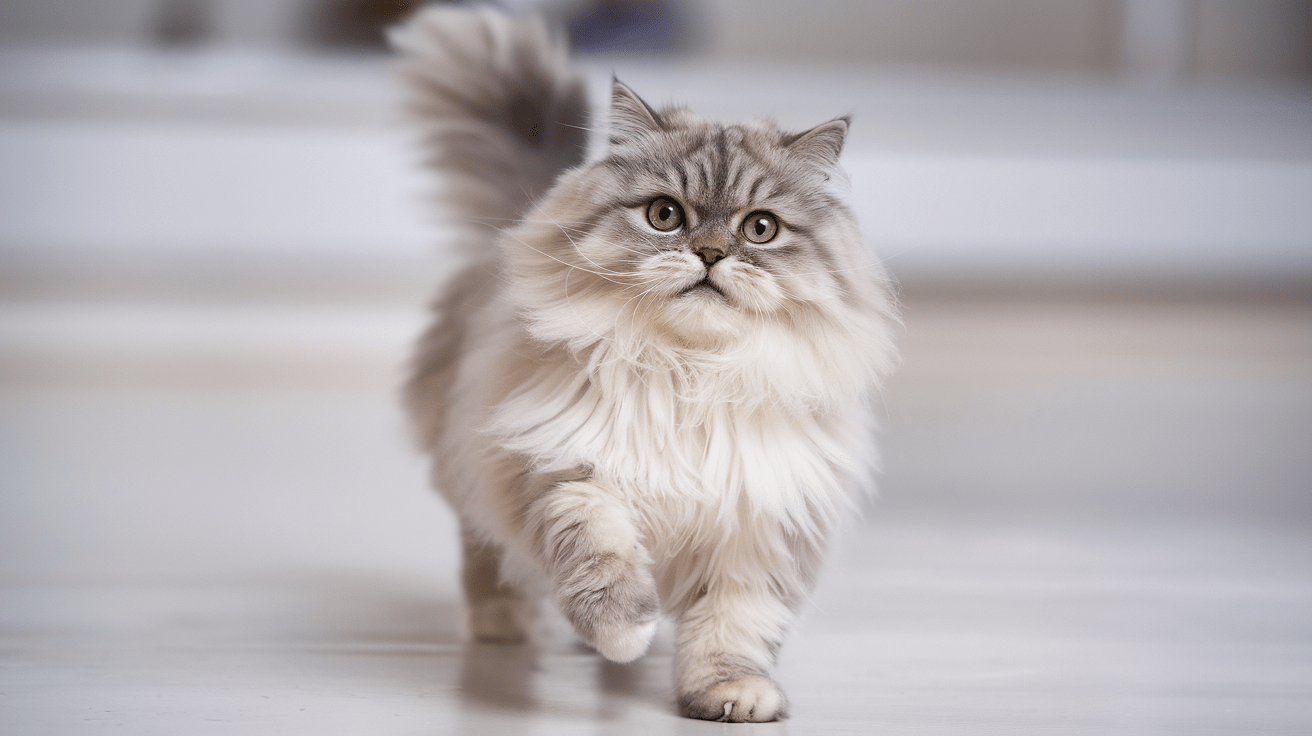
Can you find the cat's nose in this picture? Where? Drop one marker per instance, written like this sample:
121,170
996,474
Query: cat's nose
710,250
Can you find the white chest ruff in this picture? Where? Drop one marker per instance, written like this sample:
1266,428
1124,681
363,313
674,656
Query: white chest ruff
656,440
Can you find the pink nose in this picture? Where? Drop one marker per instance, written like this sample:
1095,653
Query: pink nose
710,252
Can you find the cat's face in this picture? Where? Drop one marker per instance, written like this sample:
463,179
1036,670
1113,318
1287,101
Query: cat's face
700,229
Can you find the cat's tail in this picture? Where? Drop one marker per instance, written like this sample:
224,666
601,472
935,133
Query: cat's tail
502,109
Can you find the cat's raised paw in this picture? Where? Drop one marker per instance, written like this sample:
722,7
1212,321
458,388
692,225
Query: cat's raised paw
612,602
749,699
624,643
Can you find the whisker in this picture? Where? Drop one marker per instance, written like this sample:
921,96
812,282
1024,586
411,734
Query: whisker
565,263
886,259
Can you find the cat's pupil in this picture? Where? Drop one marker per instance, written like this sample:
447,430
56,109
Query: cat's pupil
760,227
666,213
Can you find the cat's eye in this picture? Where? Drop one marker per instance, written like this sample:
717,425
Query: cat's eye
760,227
664,214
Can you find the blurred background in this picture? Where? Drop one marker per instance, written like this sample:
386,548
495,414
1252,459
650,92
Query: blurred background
216,247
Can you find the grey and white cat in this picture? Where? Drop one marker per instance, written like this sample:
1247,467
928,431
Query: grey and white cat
651,385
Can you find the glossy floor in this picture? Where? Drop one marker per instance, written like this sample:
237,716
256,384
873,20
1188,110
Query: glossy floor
1095,519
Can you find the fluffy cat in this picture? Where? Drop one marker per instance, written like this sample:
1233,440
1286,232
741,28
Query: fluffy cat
650,387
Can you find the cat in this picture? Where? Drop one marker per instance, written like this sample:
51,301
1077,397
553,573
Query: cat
649,389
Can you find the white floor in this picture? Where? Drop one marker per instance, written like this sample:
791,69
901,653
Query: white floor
1095,519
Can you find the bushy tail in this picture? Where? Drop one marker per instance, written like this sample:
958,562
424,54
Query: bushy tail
503,110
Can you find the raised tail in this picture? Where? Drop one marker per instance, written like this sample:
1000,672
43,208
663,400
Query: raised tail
503,110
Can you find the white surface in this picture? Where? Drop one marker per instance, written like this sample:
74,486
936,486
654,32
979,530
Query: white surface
132,187
170,330
925,629
1094,520
1052,216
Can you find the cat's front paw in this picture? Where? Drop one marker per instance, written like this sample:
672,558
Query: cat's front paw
624,642
748,699
612,602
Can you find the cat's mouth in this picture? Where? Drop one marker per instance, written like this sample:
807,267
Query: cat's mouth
704,287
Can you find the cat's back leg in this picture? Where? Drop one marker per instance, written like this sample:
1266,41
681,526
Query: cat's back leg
499,611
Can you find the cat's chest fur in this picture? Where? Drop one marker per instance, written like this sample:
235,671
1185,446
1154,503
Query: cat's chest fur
674,430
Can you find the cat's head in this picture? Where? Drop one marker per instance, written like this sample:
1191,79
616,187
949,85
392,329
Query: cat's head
697,232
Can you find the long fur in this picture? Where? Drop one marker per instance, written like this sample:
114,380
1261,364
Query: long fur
645,429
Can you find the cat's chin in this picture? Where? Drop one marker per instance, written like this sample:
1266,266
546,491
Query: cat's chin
704,315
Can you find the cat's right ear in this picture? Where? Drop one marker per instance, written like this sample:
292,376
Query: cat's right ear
821,144
630,117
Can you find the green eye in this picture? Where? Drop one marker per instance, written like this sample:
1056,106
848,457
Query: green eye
665,214
760,227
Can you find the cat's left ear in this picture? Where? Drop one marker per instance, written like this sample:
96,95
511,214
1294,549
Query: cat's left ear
630,117
821,144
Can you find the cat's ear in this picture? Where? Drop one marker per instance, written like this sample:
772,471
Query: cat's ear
630,117
821,144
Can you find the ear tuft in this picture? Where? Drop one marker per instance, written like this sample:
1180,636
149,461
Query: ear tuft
630,117
821,144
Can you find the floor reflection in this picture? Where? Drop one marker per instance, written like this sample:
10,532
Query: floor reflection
499,675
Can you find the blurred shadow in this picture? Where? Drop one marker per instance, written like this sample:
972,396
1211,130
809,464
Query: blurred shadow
179,23
619,683
690,727
614,678
331,611
499,675
357,24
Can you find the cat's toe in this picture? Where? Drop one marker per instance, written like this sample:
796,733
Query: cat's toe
749,699
499,620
